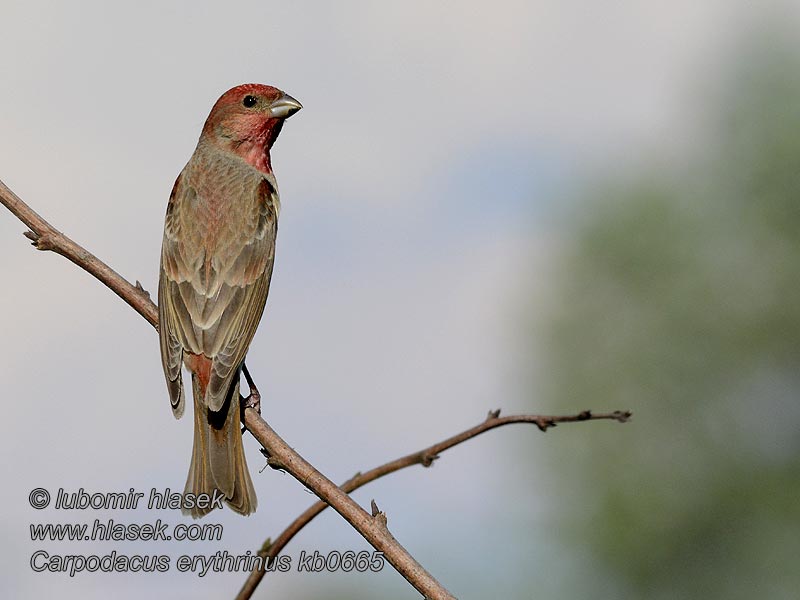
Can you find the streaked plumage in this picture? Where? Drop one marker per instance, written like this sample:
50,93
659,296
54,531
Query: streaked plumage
216,263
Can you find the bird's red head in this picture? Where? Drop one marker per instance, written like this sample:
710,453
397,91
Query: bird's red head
247,120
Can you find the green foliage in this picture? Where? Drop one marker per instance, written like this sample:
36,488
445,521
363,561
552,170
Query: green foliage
680,300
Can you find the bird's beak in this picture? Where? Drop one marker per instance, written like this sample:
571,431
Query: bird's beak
284,107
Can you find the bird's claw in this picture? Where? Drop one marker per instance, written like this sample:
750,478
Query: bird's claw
253,400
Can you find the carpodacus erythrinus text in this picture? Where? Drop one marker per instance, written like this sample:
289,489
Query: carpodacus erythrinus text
216,264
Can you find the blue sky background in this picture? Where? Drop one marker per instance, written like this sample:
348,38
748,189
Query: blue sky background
422,186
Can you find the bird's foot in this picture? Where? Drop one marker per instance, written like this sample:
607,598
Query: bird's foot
254,399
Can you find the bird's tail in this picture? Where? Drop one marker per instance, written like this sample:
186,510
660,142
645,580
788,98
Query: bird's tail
218,461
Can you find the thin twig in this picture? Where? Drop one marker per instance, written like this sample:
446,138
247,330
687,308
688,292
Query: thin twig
425,457
47,237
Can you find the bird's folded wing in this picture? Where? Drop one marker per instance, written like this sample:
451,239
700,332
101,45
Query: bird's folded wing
213,289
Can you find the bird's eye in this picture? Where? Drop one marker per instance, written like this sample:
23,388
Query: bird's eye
249,101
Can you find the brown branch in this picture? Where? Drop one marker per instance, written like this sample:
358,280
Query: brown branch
46,237
425,457
373,529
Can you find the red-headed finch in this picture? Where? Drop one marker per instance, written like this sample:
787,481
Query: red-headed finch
216,264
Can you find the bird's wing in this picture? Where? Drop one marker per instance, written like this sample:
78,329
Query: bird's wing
168,322
213,292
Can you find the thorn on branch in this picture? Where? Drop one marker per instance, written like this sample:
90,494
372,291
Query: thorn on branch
141,289
378,514
427,459
40,242
493,414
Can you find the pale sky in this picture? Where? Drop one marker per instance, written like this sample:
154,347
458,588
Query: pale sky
417,186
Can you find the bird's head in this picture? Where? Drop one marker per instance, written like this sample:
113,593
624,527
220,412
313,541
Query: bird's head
247,120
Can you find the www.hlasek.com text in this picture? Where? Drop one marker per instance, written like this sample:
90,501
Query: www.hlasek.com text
110,530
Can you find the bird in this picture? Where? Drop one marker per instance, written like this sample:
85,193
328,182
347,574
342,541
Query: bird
217,257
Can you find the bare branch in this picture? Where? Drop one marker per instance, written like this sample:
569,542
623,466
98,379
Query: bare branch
425,457
46,237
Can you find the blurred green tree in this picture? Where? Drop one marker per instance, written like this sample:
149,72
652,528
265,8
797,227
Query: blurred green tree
679,298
